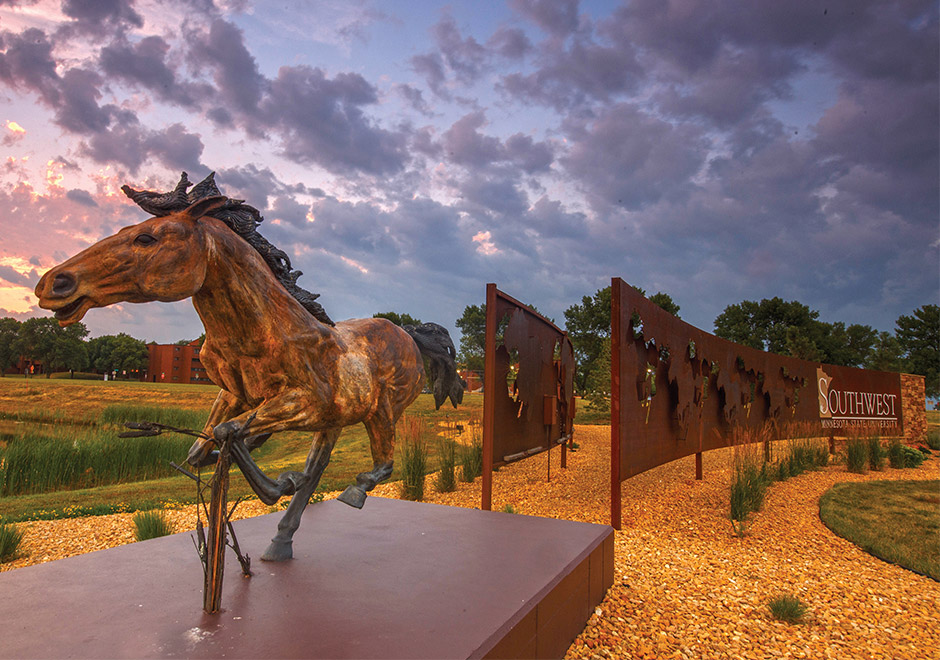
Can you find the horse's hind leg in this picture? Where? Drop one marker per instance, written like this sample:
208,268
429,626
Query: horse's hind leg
381,429
281,547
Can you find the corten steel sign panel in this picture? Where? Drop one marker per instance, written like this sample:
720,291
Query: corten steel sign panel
677,390
536,412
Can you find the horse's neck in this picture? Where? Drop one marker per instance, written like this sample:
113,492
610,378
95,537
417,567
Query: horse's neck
241,304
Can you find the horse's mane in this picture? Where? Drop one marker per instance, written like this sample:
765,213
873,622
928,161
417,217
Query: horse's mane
240,218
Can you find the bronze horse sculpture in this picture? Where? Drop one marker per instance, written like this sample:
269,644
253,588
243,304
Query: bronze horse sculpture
279,367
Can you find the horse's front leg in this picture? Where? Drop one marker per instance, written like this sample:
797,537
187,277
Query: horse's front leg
281,547
226,406
275,414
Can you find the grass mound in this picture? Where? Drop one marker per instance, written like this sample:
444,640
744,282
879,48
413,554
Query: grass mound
10,540
897,521
787,608
151,525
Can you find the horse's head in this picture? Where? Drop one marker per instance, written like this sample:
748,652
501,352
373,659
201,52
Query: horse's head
159,259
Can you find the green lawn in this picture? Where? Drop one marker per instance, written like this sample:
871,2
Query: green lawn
64,401
897,521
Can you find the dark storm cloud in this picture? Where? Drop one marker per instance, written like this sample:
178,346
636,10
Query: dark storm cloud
557,17
82,197
322,120
14,277
464,56
629,158
415,99
496,193
175,147
529,155
145,64
511,43
78,110
131,144
98,17
27,62
464,144
237,78
431,67
570,74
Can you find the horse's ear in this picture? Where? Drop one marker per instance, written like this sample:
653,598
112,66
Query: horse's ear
204,206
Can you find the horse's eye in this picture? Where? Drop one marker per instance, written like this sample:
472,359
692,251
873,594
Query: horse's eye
145,239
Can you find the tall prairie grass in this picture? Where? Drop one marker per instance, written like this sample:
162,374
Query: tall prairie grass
752,473
471,457
119,413
84,458
414,457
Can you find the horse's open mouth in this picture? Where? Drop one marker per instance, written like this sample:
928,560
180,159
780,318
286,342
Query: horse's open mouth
64,313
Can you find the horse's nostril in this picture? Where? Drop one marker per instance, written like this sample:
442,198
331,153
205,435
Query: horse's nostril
63,284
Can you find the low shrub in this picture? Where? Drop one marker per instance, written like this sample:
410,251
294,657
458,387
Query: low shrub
901,456
933,439
151,525
856,455
446,480
10,540
787,608
509,508
876,454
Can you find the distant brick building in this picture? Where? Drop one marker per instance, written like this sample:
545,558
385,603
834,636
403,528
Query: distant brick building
173,363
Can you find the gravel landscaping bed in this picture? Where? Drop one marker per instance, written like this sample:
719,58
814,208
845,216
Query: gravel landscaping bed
685,586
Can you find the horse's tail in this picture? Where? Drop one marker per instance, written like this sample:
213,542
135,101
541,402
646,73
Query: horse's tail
435,344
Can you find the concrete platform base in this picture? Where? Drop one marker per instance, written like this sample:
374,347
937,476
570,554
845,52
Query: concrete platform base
394,580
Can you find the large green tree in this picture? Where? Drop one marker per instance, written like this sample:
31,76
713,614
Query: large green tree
588,326
119,352
472,326
919,338
69,350
886,354
792,328
9,331
43,340
398,319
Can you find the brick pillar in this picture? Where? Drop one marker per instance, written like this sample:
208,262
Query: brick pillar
913,408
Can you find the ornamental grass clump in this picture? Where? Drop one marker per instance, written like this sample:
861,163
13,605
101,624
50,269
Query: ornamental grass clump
856,455
749,481
901,456
151,525
876,454
787,608
414,459
446,481
471,459
933,439
10,540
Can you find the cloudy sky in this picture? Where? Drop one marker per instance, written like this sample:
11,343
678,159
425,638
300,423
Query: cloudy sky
406,153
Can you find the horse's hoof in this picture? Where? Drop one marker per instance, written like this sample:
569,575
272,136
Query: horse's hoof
279,551
354,496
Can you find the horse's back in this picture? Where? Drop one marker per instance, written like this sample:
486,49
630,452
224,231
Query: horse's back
389,349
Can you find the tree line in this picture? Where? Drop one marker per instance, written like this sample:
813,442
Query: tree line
784,327
68,349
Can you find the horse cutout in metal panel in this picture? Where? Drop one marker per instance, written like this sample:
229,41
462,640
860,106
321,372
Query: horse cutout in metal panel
279,366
